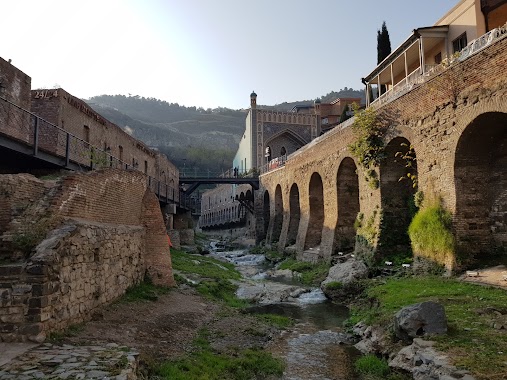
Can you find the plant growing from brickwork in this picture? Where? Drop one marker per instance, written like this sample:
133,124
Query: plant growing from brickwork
27,239
410,162
430,232
366,235
368,147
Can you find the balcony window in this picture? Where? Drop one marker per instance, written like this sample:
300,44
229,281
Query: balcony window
438,59
459,43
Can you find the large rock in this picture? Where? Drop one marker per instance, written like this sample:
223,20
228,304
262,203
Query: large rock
425,318
346,272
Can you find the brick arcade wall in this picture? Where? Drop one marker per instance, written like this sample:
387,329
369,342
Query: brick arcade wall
431,117
108,232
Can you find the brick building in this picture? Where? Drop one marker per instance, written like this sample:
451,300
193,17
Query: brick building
93,141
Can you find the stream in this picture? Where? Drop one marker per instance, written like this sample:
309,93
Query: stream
316,347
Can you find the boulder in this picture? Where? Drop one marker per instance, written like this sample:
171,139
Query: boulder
425,318
346,272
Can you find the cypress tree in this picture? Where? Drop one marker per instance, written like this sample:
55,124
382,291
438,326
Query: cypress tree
383,46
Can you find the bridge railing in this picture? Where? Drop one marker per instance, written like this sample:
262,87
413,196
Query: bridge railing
229,173
275,163
41,136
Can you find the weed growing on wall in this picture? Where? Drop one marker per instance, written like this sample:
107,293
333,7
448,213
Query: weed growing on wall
366,236
369,147
431,232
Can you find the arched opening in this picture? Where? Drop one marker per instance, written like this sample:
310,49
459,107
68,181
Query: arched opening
347,186
316,222
294,216
278,219
266,211
283,151
397,197
480,177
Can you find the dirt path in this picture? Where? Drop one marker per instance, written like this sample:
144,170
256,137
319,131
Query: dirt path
164,329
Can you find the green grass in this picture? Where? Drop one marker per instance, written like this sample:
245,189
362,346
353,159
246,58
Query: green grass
471,341
311,274
59,336
215,276
373,366
279,321
145,291
203,266
204,364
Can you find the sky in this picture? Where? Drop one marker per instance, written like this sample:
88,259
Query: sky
205,53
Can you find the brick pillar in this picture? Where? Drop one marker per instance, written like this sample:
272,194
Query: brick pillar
158,257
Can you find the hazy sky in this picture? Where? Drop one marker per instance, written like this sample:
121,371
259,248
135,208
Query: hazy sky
205,53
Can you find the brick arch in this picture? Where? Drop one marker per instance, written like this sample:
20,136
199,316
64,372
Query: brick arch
294,215
480,180
463,120
347,188
396,198
316,221
278,215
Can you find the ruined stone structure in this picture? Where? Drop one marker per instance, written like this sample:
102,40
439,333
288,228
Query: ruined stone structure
456,122
70,246
97,234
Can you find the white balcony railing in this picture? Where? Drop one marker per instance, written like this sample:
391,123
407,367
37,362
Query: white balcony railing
416,78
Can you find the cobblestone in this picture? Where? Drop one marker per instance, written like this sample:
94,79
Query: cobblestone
51,361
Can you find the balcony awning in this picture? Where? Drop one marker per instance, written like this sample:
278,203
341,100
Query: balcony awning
407,54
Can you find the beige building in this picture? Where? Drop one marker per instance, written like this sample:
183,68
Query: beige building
465,29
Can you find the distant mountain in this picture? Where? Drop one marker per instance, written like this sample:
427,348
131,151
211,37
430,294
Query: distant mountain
193,138
333,95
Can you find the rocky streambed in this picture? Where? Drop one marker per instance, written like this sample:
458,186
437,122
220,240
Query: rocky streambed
316,347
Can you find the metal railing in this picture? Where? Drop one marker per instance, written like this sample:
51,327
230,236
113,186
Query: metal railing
229,173
42,138
275,163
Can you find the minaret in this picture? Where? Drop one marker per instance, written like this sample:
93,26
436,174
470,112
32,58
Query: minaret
253,100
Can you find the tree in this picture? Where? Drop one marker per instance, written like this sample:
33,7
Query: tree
383,47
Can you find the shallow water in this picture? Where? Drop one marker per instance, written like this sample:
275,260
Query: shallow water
316,347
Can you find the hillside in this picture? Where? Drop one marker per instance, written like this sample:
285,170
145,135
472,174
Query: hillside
193,138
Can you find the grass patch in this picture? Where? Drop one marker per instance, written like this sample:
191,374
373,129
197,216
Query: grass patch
311,274
279,321
204,364
471,342
215,276
72,330
203,266
371,365
145,291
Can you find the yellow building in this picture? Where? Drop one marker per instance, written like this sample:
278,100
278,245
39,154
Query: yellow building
467,28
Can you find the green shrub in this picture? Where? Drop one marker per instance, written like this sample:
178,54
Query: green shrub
430,233
371,365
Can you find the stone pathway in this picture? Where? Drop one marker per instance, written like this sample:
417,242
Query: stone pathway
49,361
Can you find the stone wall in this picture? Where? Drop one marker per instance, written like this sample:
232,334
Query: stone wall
105,233
468,99
80,267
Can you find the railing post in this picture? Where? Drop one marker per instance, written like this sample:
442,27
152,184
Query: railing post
67,151
92,155
36,137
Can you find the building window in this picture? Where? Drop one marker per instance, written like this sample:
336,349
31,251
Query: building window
121,152
86,133
438,59
459,43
